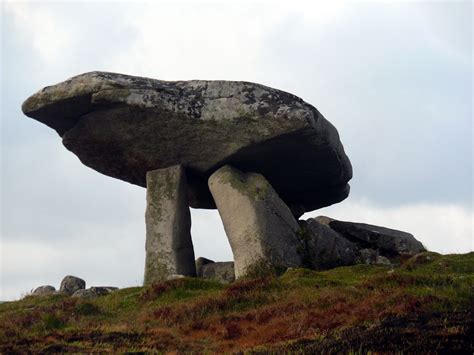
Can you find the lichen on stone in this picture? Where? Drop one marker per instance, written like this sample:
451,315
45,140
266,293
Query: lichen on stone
252,185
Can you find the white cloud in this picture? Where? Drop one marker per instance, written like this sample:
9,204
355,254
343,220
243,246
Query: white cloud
186,40
448,27
49,35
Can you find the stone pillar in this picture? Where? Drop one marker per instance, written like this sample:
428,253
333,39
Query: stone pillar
260,227
169,248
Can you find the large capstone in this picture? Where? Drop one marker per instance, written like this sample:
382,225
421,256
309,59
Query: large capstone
260,227
169,249
124,126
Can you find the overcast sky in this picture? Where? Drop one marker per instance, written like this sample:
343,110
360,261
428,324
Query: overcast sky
395,78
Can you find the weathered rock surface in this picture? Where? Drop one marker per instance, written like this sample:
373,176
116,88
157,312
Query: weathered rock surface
94,292
329,243
372,257
222,271
169,249
260,227
323,220
382,260
44,290
367,256
200,262
71,284
124,126
323,248
387,242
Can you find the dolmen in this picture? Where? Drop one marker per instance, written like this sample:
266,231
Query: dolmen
261,156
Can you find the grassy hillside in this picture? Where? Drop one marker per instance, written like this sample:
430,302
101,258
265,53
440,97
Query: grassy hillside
426,304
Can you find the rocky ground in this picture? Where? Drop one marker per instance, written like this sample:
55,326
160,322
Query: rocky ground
425,305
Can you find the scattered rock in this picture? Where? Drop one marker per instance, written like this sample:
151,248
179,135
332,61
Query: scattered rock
388,242
169,248
44,290
175,277
367,256
124,126
382,260
200,262
329,243
222,271
94,292
323,248
260,227
71,284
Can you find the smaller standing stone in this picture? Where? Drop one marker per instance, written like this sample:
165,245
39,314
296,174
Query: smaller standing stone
71,284
200,262
44,290
169,249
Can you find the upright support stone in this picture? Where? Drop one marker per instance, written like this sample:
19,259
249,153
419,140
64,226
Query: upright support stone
260,227
169,248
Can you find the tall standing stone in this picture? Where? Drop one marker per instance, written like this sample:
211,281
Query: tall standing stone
259,225
169,248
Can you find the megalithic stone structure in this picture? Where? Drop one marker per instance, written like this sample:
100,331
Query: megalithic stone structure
260,227
169,248
189,142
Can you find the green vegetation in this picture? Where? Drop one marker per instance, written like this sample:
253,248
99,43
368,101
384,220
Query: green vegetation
253,185
425,305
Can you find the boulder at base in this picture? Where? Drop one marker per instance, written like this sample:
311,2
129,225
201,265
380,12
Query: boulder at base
44,290
124,126
388,242
222,271
94,292
200,262
323,248
328,243
71,284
